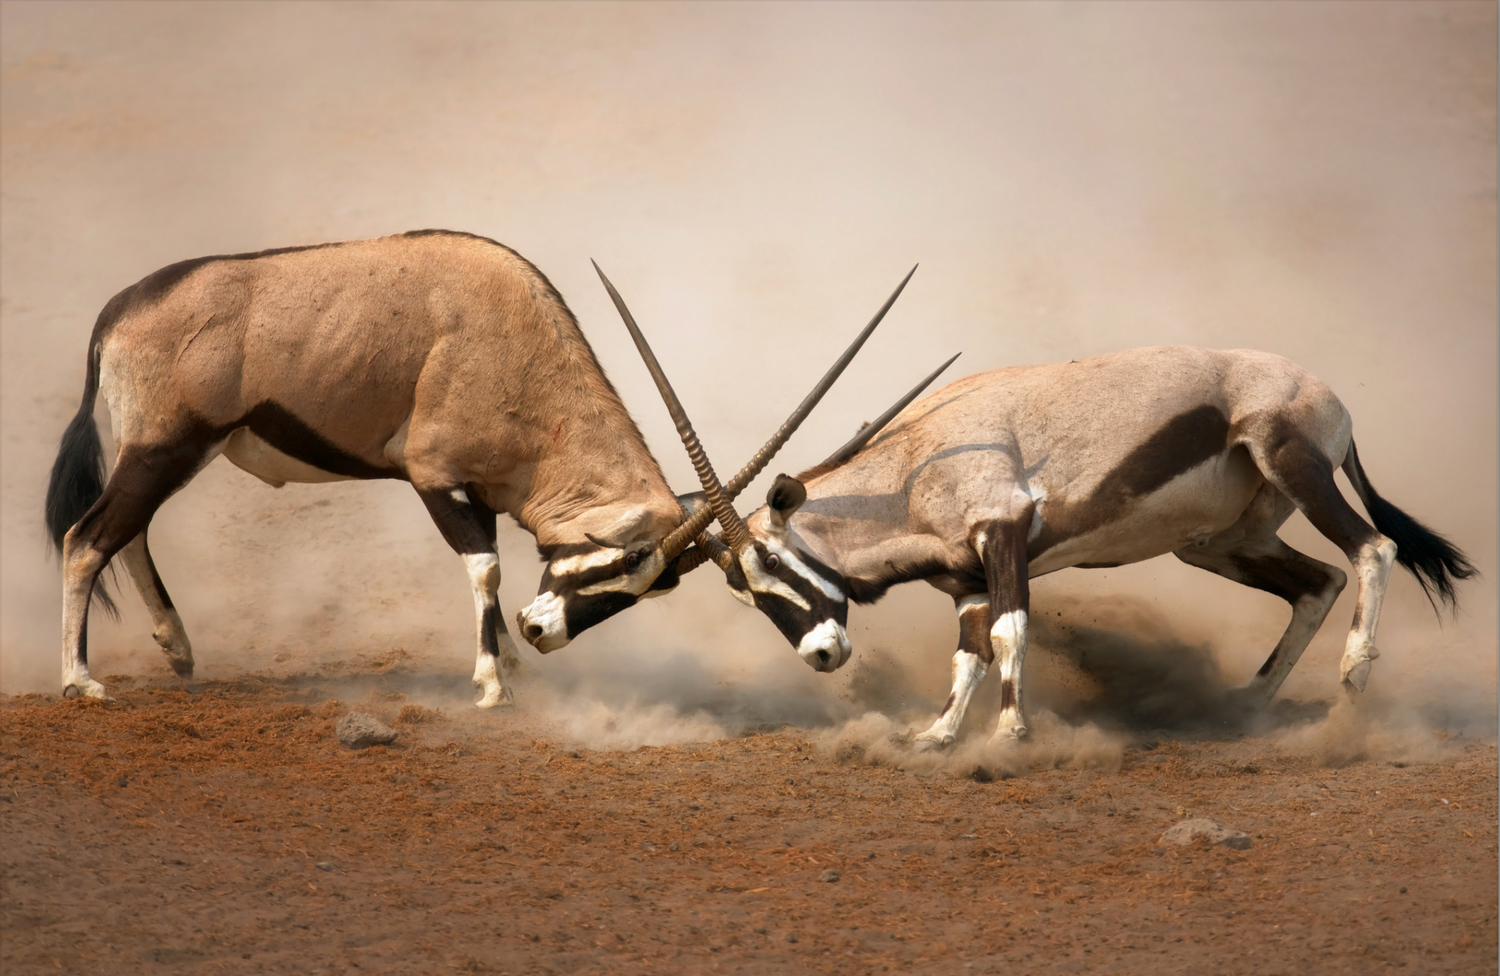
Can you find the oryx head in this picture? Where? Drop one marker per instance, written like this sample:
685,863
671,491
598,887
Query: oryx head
621,559
764,563
773,571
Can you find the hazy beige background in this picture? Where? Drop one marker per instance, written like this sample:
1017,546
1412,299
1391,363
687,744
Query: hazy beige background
1314,179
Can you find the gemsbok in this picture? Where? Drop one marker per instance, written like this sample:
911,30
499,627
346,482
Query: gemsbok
439,358
1011,474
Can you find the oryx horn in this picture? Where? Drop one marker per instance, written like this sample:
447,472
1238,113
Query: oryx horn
718,506
763,457
869,430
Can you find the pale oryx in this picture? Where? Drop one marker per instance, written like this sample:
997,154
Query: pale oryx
439,358
1011,474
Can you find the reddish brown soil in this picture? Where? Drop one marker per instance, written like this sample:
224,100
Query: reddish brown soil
227,831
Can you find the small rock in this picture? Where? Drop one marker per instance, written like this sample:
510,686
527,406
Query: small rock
674,846
324,866
1189,830
791,936
358,730
830,876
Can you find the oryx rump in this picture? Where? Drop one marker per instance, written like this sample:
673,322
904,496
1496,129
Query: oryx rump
1007,475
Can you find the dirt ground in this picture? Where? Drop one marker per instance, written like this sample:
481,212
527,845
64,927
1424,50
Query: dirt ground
222,828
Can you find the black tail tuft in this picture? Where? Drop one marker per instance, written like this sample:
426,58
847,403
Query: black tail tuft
1433,560
78,478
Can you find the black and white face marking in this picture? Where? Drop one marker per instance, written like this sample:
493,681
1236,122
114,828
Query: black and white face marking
805,599
586,583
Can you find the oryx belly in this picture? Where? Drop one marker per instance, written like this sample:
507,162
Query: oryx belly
1190,509
249,453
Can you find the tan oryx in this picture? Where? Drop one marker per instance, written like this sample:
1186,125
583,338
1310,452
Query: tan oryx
1007,475
438,358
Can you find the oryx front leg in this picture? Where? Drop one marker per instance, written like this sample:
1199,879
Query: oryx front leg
497,653
970,664
469,527
166,625
1002,547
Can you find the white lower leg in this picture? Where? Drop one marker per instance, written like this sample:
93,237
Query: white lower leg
1008,638
1374,569
79,573
484,577
968,671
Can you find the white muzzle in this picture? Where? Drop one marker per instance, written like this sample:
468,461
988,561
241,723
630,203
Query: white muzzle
825,647
543,623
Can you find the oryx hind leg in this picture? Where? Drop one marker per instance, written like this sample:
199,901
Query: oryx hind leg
970,664
469,527
143,478
1303,471
1249,552
166,625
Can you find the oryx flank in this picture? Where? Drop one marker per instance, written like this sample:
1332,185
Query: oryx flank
1020,472
438,358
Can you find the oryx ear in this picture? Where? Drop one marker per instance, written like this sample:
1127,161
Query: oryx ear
692,502
784,498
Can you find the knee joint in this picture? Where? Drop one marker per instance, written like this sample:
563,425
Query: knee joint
484,571
1009,630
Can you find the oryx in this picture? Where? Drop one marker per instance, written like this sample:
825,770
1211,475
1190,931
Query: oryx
439,358
1011,474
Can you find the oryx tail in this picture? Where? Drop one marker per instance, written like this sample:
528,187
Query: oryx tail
1433,560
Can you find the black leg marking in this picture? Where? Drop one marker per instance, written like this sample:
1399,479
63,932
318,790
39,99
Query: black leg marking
460,522
1304,475
1005,570
974,632
1005,574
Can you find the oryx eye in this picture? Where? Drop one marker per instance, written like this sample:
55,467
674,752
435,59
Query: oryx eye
632,560
772,561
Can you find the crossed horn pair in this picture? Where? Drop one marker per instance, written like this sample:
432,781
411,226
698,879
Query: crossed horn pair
721,497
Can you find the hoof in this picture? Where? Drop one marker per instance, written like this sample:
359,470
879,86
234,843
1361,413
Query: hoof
1356,676
183,669
931,742
1014,733
496,697
88,689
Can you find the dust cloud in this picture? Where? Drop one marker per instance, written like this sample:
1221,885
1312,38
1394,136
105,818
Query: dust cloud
1314,179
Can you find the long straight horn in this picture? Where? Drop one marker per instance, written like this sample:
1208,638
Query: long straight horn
869,430
763,456
719,506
